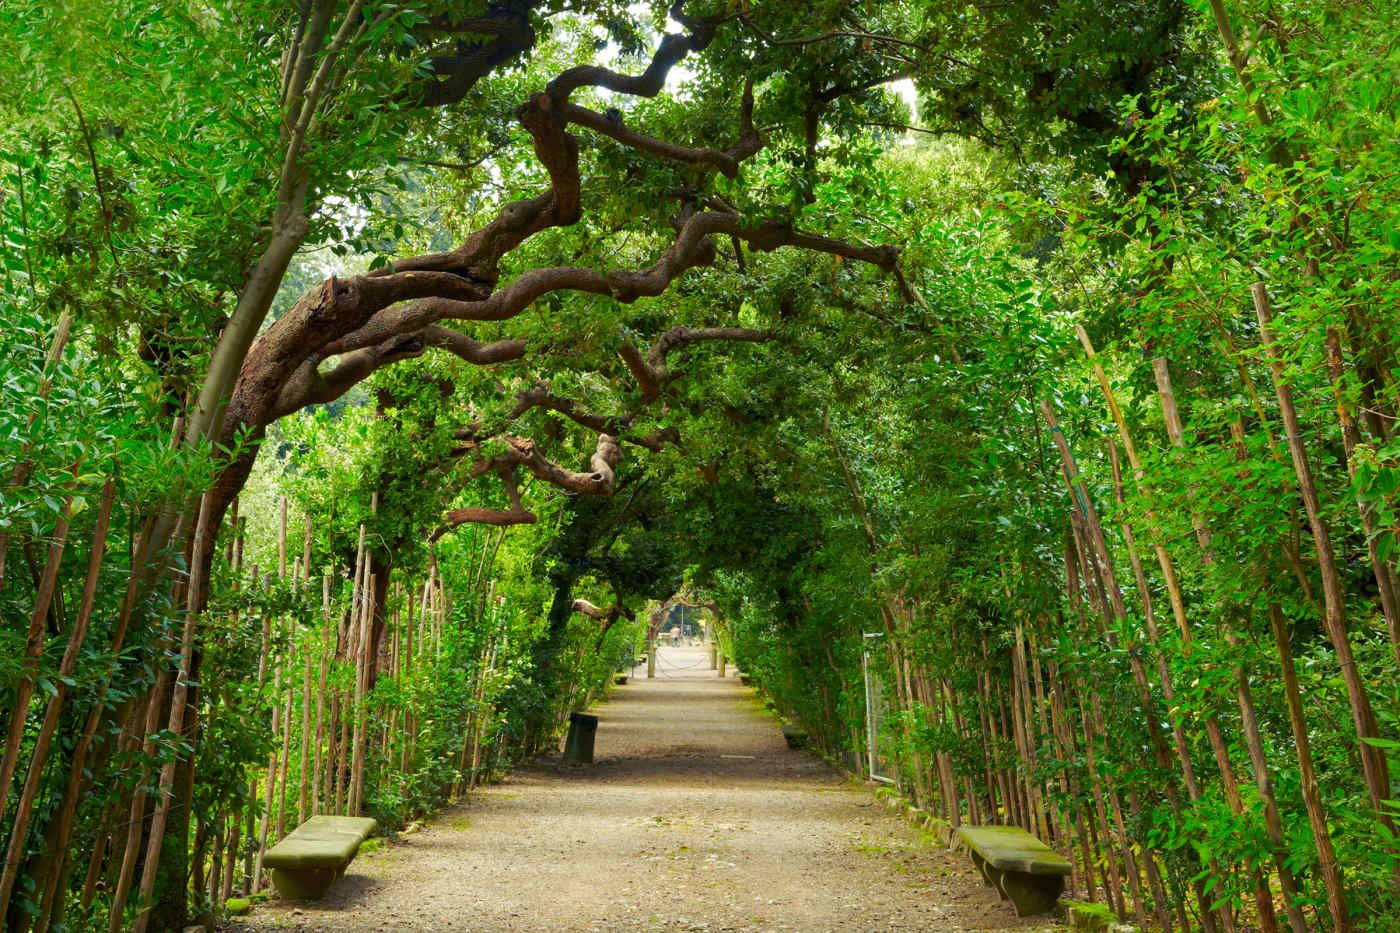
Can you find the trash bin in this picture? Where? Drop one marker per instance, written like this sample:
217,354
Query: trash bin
578,747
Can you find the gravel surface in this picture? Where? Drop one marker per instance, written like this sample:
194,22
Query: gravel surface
694,816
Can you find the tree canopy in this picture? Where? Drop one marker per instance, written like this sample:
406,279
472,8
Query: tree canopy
374,373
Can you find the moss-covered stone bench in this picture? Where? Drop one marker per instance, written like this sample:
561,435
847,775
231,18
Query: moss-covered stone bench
311,857
1023,869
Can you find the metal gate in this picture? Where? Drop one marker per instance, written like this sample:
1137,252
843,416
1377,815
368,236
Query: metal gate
877,757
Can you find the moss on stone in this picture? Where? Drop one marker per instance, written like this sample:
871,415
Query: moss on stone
1088,918
237,906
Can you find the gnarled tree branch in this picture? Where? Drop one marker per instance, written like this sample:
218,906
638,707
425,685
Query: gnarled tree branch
517,514
652,373
725,161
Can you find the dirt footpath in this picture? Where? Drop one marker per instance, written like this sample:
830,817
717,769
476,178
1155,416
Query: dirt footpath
695,816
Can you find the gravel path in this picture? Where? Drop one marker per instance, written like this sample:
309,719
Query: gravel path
695,816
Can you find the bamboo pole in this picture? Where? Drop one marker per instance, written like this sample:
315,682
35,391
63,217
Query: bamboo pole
20,476
239,529
216,862
1351,438
306,549
34,646
282,538
1089,733
1059,703
264,820
1119,828
57,850
249,849
1375,771
178,701
1089,567
482,717
39,754
1154,878
230,860
357,764
340,768
319,759
304,760
136,820
283,758
1040,825
1327,863
231,522
1102,564
445,618
108,829
1262,896
1175,434
409,717
1164,560
357,604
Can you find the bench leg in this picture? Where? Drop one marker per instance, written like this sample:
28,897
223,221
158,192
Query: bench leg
989,874
1031,894
304,884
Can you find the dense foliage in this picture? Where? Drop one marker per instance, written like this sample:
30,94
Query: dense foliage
373,373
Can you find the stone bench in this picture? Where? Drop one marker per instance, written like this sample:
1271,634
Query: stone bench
794,737
1023,869
311,857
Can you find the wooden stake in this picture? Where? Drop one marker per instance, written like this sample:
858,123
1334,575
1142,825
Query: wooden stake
284,759
1262,896
136,820
1351,438
316,795
176,723
57,849
304,761
306,551
1312,796
34,647
282,539
22,468
40,752
1373,764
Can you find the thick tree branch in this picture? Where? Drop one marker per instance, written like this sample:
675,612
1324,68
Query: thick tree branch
609,615
394,313
680,336
724,161
714,158
455,74
841,90
523,452
658,439
473,351
539,396
309,386
646,379
652,373
478,258
693,247
517,514
605,459
500,518
774,41
672,49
